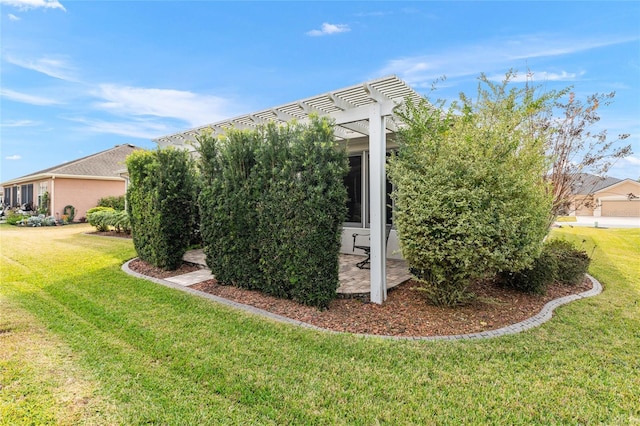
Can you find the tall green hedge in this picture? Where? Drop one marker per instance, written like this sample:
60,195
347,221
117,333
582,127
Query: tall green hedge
161,205
301,210
272,207
227,201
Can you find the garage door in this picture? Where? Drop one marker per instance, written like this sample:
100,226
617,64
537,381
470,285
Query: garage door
621,208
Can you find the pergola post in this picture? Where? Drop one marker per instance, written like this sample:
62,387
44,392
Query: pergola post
377,199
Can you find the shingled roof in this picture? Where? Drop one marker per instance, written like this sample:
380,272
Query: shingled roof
105,164
588,184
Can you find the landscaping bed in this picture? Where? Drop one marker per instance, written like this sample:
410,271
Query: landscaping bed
404,313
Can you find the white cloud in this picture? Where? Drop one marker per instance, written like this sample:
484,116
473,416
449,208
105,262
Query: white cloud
634,161
51,66
26,98
328,29
34,4
190,107
19,123
143,129
489,56
13,157
541,76
13,17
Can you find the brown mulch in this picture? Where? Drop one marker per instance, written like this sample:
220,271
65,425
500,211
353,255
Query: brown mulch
144,268
404,313
110,234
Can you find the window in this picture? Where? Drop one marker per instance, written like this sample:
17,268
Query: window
353,182
26,194
42,189
357,194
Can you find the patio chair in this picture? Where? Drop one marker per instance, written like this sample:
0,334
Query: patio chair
367,249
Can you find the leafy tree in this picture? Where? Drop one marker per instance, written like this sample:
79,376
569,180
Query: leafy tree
470,194
576,149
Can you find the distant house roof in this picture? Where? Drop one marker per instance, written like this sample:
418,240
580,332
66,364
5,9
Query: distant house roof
589,184
106,164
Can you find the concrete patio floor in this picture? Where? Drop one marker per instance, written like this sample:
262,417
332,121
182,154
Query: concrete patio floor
354,282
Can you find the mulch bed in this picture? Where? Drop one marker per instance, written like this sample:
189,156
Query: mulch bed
144,268
404,313
110,234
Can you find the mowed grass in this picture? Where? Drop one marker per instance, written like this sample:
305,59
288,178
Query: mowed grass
138,352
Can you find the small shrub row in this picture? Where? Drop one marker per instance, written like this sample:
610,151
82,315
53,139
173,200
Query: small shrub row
560,261
18,219
105,218
41,220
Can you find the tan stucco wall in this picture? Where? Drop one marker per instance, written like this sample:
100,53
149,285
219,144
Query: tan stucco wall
621,190
577,206
82,194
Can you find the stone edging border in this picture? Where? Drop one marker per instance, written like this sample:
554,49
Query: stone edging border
540,318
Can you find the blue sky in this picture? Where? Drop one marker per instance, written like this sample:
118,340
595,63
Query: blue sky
78,77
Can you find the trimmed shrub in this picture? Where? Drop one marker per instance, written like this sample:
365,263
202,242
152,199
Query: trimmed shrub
272,206
227,201
537,277
301,210
116,203
573,263
100,217
161,205
560,261
120,222
99,209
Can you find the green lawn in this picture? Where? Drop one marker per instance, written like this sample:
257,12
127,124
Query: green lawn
83,342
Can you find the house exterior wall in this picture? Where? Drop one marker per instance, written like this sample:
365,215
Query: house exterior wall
615,201
82,194
612,201
622,189
581,206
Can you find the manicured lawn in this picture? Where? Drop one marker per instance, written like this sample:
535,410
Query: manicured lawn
566,219
82,342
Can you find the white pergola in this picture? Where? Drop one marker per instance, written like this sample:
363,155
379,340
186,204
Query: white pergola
359,111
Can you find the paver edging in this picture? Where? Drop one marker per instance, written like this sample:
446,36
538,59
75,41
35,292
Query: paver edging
545,314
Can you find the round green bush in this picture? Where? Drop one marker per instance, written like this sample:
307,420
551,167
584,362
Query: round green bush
536,278
572,262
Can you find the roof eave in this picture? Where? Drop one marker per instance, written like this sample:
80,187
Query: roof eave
44,176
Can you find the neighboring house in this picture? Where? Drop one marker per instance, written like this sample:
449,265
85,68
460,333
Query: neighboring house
606,197
79,183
